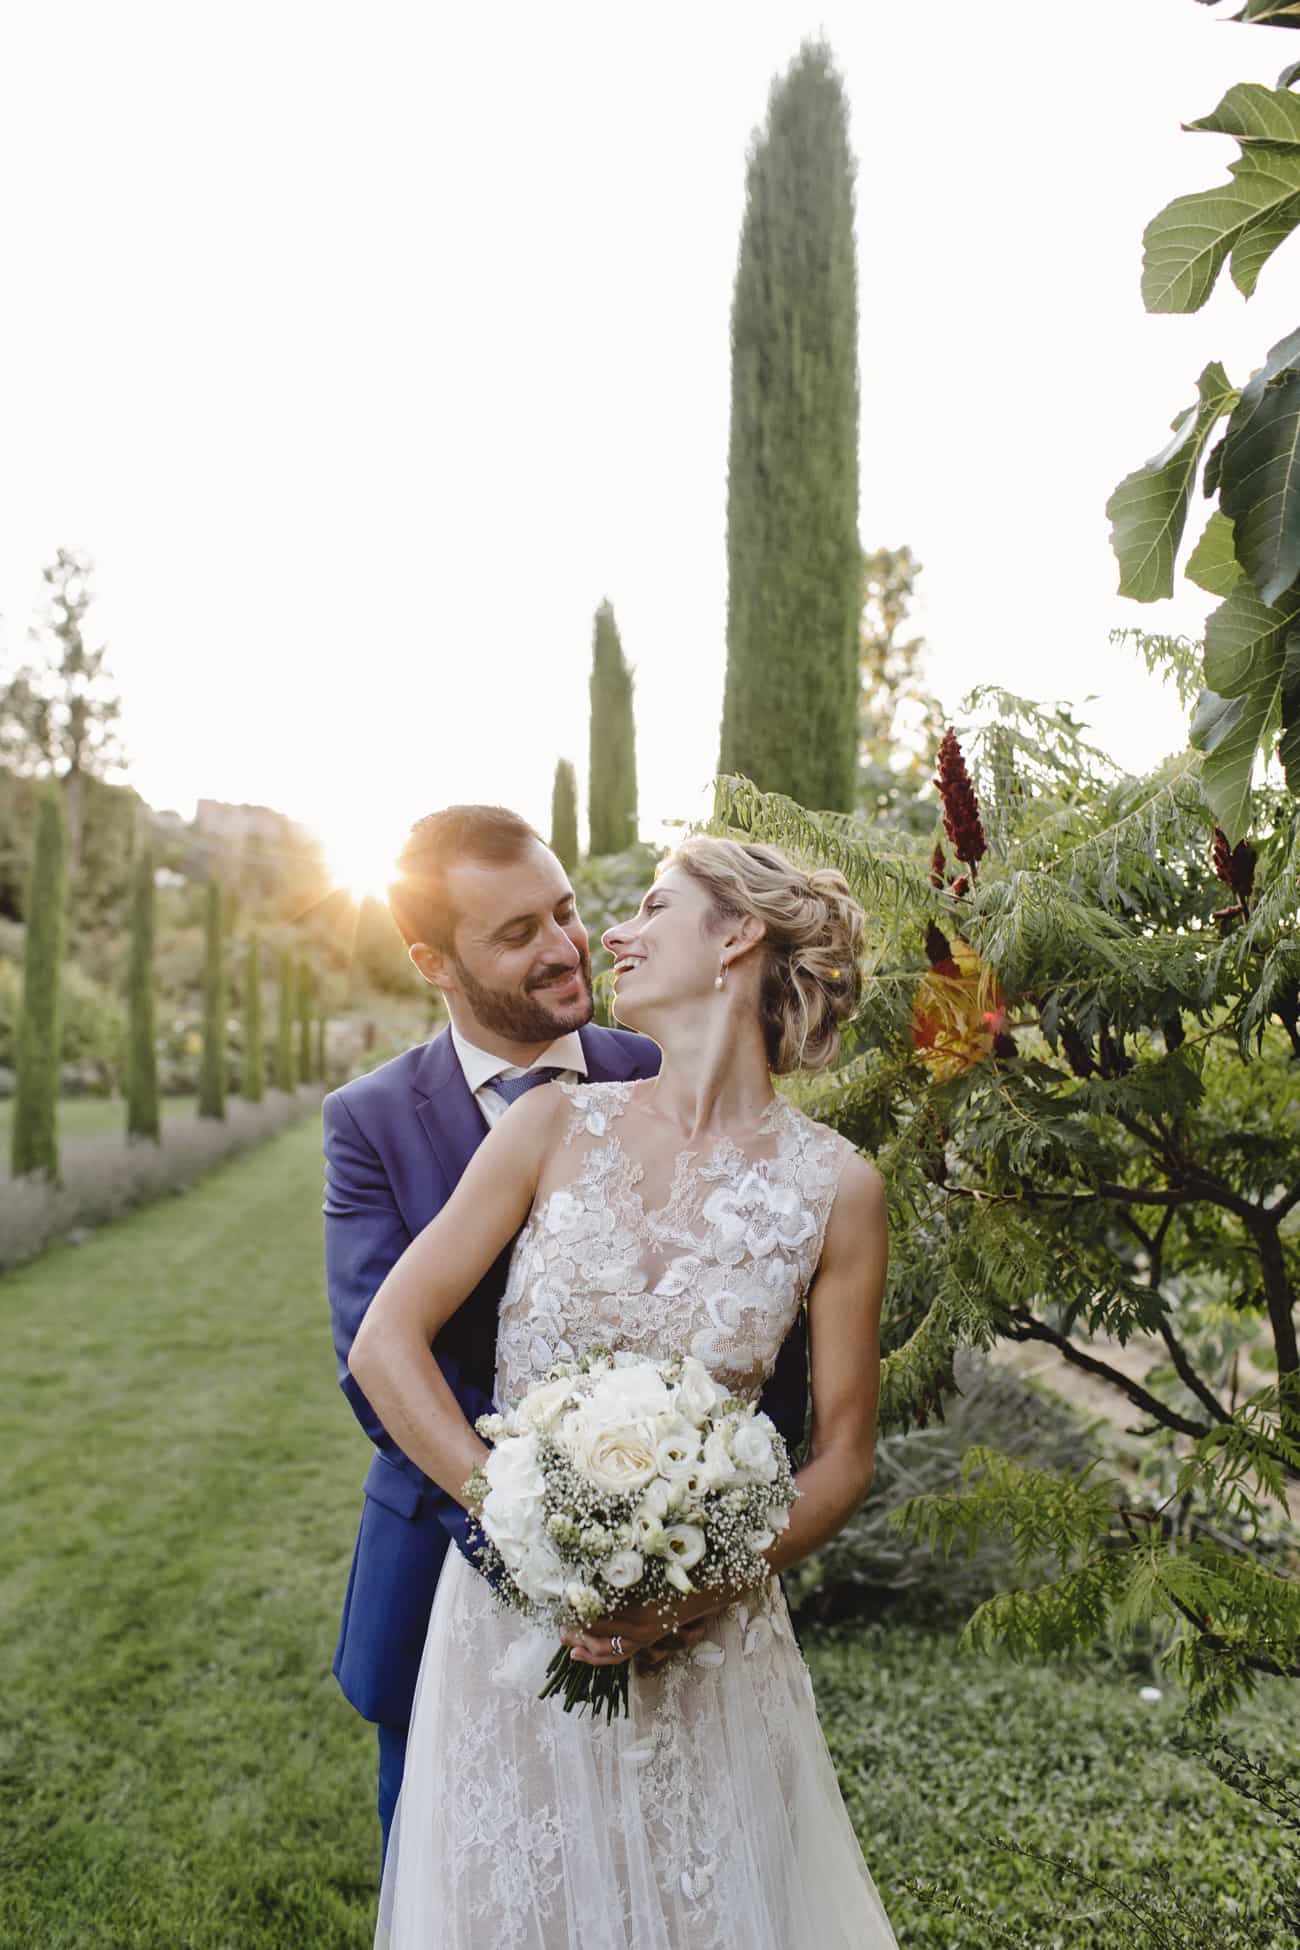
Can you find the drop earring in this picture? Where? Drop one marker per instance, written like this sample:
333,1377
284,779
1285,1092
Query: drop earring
718,978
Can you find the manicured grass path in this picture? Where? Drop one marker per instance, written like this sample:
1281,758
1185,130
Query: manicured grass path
181,1481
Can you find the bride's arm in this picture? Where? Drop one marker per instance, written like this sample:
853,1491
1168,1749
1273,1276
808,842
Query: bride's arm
390,1357
844,1336
844,1332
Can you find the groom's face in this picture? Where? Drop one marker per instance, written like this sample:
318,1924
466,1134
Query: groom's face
519,964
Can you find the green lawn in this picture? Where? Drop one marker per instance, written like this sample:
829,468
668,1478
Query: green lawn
178,1769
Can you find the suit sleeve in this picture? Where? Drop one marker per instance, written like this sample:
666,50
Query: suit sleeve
365,1236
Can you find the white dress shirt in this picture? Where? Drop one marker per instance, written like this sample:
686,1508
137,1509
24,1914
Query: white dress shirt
565,1054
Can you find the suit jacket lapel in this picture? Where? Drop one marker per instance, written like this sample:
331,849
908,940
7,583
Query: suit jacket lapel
453,1122
609,1059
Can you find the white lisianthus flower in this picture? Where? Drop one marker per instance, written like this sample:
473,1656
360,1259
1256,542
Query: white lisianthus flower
677,1454
648,1533
623,1569
656,1500
584,1599
777,1517
677,1578
751,1446
684,1543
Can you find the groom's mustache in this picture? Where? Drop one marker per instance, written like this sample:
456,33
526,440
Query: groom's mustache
560,973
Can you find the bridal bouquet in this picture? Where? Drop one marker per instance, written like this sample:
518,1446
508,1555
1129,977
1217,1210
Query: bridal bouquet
619,1481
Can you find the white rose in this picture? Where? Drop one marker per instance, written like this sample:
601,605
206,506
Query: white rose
616,1460
631,1390
541,1406
540,1575
684,1544
697,1391
622,1569
751,1446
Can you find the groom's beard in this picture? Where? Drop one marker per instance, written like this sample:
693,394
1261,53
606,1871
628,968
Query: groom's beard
525,1018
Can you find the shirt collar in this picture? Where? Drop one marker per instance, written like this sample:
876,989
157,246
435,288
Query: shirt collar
480,1066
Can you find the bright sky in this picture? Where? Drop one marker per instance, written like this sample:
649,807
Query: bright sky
366,348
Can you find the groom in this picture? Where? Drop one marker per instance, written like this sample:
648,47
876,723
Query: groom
490,920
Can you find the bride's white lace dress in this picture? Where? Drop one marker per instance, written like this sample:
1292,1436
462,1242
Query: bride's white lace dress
710,1819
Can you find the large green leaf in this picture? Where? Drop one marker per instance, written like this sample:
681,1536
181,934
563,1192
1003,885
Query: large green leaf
1212,564
1260,485
1149,507
1253,113
1271,13
1289,746
1245,651
1185,246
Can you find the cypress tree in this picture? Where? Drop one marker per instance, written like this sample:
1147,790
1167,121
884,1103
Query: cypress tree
305,1067
285,1068
34,1144
212,1063
142,1116
611,770
564,815
794,560
252,1076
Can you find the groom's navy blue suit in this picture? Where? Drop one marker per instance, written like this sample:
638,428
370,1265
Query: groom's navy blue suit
396,1144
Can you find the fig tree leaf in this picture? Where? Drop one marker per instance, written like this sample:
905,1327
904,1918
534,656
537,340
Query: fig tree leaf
1212,564
1149,507
1245,649
1186,245
1260,486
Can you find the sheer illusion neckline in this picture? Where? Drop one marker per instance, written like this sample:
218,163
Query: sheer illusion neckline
714,1152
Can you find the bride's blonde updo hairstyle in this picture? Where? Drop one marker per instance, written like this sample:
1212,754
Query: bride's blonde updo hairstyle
812,952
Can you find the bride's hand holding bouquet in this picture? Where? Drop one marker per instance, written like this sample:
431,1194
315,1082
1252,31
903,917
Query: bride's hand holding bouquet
627,1494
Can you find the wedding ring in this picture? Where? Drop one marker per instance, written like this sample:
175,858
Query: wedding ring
617,1643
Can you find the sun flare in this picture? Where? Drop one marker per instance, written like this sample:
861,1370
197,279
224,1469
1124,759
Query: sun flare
364,866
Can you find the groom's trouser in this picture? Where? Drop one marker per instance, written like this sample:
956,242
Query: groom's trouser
392,1758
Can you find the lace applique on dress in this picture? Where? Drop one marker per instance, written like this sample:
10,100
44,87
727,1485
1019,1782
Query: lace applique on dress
720,1270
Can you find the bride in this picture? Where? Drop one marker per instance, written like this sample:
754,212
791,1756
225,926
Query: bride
693,1212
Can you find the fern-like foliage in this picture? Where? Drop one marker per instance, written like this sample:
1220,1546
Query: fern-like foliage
1111,1150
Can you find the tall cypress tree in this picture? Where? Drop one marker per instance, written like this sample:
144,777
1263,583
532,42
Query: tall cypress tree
142,1115
306,1069
252,1073
285,1067
794,560
611,769
212,1063
564,814
34,1143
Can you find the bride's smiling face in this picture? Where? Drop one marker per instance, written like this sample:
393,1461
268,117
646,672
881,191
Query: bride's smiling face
670,951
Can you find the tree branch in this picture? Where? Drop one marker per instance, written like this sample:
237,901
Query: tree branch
1025,1328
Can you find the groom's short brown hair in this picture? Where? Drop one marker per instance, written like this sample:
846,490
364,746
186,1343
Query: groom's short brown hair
418,899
